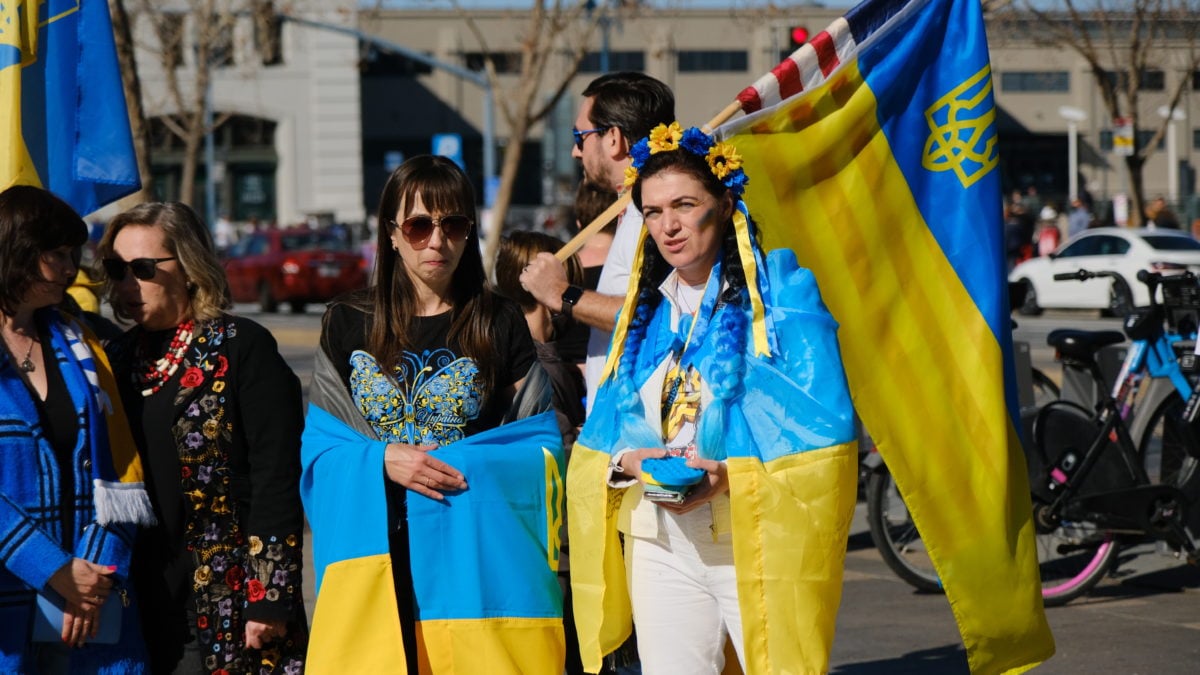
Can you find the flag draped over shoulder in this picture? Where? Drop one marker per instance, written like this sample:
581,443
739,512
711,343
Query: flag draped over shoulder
872,154
62,105
788,440
484,561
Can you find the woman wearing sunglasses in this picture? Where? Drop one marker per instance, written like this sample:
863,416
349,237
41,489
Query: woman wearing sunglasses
70,487
218,415
413,379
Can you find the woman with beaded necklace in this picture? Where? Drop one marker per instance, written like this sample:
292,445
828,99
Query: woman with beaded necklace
724,359
221,573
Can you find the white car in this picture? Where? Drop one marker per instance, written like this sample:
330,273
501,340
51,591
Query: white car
1106,249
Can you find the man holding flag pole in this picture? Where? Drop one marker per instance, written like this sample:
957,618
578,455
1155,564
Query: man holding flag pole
872,153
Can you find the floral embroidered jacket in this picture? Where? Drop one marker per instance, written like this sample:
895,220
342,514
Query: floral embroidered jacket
222,447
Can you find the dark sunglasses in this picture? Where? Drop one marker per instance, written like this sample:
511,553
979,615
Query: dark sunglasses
142,268
418,229
580,135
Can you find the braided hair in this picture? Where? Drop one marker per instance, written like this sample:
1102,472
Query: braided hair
730,320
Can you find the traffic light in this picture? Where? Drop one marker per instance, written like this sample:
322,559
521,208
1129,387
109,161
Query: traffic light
799,35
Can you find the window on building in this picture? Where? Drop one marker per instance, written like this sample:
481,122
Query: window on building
221,46
505,62
1035,81
1152,80
713,61
1196,139
375,62
268,35
617,61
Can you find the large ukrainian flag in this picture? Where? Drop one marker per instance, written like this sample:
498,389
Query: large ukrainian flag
484,562
876,162
63,118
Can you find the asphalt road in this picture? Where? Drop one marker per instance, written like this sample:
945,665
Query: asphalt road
1144,619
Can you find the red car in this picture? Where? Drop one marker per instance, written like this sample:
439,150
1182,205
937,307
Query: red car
296,266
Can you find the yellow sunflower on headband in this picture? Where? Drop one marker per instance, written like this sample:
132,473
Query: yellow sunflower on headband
664,138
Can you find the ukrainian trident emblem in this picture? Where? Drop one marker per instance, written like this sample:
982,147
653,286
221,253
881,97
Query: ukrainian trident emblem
962,134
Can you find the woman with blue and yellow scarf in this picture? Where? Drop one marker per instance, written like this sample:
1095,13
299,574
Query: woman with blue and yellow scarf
71,489
721,441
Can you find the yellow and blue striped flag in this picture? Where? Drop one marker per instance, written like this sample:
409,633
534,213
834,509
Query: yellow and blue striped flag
62,106
872,153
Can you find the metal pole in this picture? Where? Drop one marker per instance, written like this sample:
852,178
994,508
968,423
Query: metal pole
210,160
489,148
1172,165
1073,158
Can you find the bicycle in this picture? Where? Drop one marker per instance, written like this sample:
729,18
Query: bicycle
1089,501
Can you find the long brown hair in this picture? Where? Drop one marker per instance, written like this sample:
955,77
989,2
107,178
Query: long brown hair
444,189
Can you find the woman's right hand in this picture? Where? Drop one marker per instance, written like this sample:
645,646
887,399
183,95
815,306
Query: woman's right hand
413,467
83,583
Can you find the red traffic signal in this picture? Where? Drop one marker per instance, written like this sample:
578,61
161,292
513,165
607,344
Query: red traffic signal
799,36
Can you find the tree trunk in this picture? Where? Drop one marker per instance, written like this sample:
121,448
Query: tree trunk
1137,195
191,157
132,84
508,178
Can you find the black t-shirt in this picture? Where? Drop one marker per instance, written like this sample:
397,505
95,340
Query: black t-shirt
434,395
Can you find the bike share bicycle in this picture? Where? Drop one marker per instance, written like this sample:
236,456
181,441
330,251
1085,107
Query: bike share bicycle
1094,488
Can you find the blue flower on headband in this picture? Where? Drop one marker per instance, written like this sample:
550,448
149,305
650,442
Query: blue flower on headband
695,141
723,159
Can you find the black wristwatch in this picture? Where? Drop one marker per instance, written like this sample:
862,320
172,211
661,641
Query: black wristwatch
569,298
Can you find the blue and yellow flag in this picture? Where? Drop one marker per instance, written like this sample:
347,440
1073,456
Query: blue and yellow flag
484,561
874,157
62,106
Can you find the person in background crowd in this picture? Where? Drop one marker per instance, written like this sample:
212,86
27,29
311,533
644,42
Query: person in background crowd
516,250
617,110
1158,214
1048,234
218,413
71,490
1079,219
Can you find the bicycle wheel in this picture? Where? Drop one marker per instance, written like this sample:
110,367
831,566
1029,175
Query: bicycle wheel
1168,452
1073,557
895,534
1074,554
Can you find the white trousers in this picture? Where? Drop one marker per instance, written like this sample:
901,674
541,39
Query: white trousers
684,594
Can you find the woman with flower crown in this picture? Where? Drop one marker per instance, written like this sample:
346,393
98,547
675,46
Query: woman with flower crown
724,360
218,414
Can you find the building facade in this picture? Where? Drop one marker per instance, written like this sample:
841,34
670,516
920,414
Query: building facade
314,128
286,98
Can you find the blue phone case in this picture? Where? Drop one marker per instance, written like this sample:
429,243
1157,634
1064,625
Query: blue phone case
48,619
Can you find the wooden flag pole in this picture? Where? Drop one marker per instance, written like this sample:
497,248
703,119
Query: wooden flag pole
618,206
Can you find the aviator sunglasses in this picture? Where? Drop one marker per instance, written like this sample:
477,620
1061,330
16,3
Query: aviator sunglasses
418,229
142,268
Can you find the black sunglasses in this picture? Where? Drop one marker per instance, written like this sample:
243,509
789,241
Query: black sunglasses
142,268
580,135
418,229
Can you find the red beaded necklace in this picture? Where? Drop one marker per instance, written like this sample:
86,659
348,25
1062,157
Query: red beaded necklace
153,376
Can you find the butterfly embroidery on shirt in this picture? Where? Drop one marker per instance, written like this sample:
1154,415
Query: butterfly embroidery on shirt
429,398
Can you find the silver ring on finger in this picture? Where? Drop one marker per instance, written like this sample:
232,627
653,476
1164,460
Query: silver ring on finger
426,479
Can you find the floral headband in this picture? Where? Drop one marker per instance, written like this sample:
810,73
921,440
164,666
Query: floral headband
723,159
